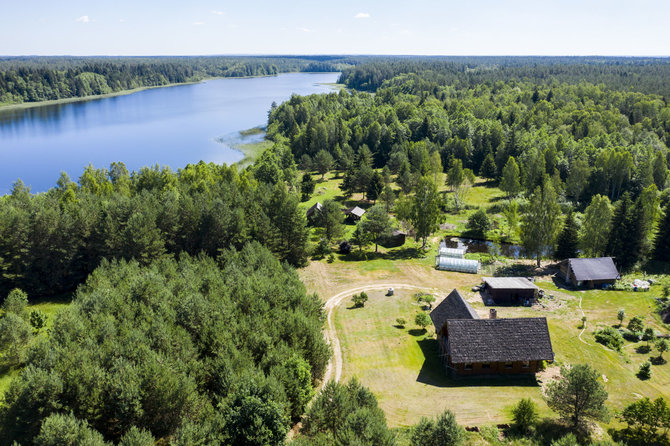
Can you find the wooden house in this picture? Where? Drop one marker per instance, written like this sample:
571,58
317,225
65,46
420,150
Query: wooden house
590,273
469,345
510,290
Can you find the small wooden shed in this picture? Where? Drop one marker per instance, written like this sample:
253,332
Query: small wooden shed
590,273
510,290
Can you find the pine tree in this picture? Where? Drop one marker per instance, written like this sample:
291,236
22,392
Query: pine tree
567,241
488,169
375,186
662,242
625,239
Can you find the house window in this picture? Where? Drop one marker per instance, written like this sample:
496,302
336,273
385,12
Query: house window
486,365
508,365
525,364
468,366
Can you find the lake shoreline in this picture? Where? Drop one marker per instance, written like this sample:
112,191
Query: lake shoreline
25,105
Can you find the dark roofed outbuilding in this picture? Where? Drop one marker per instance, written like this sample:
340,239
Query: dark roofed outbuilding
590,272
354,214
313,211
510,290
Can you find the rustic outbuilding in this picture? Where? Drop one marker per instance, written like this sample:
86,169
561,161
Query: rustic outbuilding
590,273
354,214
510,290
395,239
313,212
469,345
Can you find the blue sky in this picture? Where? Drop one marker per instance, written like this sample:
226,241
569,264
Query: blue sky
475,27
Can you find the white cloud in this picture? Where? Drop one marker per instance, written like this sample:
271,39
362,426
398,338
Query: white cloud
122,20
83,19
217,12
362,15
306,30
198,23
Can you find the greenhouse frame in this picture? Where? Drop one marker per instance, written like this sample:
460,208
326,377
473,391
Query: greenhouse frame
452,252
460,265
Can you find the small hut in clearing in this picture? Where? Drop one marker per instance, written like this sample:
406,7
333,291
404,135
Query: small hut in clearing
313,212
354,214
590,273
510,290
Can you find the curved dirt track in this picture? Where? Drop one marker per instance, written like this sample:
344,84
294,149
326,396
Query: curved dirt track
334,368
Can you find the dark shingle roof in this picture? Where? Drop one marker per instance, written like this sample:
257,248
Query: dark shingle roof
601,268
452,307
499,340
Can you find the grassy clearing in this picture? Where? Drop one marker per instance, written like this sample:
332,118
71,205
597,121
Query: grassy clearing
49,306
401,366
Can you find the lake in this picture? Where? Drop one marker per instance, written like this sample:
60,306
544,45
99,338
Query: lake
171,126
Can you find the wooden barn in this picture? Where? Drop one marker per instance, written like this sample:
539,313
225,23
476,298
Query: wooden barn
590,273
510,290
473,346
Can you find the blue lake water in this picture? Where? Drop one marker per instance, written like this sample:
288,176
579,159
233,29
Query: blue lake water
170,126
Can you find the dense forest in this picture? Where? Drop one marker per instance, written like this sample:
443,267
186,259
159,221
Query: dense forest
50,242
594,145
196,350
33,79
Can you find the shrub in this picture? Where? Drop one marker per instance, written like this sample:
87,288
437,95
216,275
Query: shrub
525,415
422,320
38,319
401,322
479,223
331,258
636,324
359,299
645,370
345,247
609,337
444,431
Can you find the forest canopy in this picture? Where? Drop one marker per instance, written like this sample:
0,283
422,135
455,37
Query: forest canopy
197,350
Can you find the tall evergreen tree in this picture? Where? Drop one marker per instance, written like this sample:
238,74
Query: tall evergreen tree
625,240
488,169
375,186
566,247
662,242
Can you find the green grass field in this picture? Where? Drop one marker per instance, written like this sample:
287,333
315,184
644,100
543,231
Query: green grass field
400,365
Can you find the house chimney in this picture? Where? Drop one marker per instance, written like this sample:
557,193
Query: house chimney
493,314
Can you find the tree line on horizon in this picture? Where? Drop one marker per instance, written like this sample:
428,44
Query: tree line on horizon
595,150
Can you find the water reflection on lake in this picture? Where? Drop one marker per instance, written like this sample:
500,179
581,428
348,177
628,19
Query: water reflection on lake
170,126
